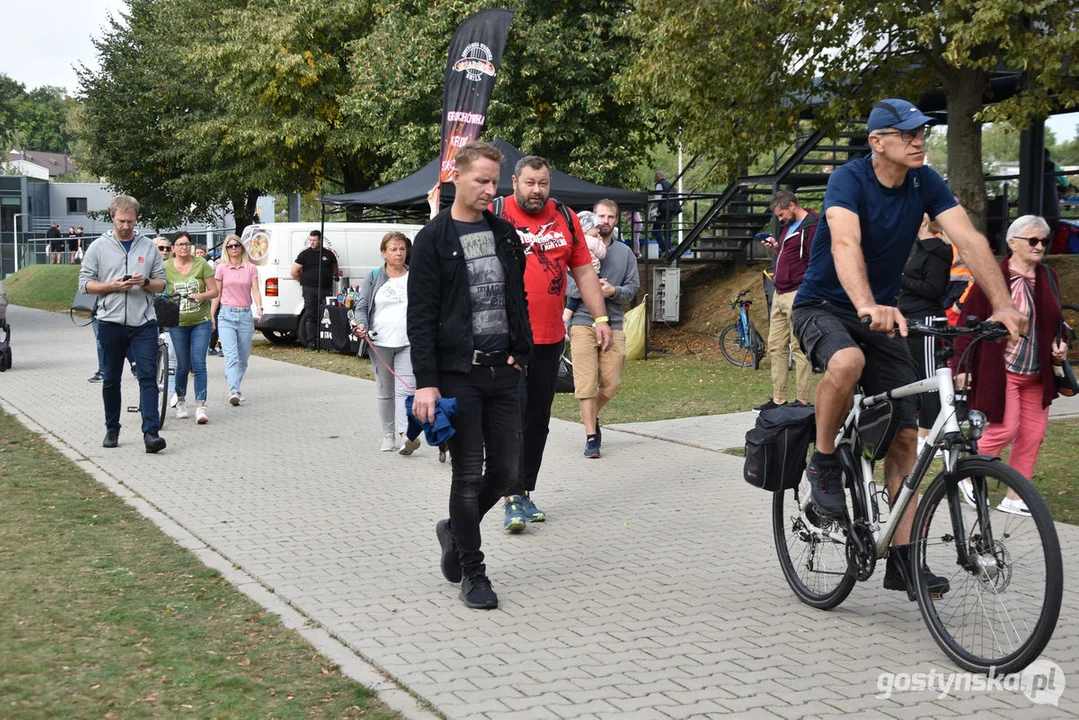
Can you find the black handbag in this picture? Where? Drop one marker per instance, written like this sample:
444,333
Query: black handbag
167,309
1063,374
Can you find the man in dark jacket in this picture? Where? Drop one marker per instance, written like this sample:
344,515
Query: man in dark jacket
798,226
470,336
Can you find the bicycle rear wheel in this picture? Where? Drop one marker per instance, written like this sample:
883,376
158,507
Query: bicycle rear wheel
730,344
1002,612
162,376
756,347
815,567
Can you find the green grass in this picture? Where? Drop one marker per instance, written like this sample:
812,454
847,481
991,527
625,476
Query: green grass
48,287
332,362
102,615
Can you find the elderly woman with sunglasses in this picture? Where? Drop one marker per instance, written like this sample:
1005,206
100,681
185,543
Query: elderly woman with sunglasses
193,280
239,283
1012,382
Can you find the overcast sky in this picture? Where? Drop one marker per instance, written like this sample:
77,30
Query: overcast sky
44,40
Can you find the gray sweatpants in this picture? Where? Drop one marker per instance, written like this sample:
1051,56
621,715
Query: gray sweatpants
390,391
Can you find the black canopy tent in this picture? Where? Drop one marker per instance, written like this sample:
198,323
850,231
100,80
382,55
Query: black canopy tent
409,194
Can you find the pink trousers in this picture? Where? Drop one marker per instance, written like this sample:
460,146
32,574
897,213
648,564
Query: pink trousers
1024,423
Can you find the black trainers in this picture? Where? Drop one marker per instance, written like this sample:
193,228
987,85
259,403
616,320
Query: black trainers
112,438
476,592
599,433
451,561
443,451
826,484
770,405
898,574
154,442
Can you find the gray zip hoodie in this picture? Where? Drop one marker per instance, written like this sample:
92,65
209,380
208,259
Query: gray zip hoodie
106,260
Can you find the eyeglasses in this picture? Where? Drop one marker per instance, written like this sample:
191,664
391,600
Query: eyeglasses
908,136
182,245
233,246
1034,241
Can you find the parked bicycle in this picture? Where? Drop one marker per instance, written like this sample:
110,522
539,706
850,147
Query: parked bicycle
1004,572
740,342
161,376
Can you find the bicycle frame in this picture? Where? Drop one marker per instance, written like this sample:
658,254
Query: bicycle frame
743,326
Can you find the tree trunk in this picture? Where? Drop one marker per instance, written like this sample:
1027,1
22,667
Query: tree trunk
243,209
963,92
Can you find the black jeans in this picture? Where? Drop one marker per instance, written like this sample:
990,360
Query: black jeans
536,419
309,320
116,342
484,450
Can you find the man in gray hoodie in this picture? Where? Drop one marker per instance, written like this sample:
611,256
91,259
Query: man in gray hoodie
598,373
126,270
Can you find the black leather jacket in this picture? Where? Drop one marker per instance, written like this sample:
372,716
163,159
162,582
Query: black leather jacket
439,308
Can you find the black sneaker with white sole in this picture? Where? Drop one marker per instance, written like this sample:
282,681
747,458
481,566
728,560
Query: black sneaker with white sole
826,486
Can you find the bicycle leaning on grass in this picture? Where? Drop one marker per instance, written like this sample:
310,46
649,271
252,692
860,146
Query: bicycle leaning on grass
740,342
1004,572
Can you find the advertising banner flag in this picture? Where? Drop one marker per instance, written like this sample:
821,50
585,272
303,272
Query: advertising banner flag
474,58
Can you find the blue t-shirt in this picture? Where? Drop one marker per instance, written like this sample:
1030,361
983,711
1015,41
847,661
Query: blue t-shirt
889,220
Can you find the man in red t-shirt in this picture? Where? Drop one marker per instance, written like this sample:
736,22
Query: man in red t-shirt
551,248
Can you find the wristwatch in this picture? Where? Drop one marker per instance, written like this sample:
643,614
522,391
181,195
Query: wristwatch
146,282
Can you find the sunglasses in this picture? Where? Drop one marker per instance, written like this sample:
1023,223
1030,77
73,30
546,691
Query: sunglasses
908,136
164,248
1034,241
233,246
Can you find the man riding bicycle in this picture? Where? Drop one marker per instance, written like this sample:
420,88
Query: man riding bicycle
872,210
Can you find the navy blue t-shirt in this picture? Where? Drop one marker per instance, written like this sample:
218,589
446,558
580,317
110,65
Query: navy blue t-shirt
889,219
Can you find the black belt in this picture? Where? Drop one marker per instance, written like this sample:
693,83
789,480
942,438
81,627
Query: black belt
491,359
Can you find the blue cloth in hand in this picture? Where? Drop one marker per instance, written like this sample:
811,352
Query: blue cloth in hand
441,429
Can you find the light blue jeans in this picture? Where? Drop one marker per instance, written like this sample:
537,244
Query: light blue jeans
236,328
190,344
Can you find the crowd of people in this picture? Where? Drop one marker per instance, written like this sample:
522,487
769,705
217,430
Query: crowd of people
479,307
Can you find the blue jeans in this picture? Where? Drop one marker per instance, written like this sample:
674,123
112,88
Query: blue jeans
116,341
236,328
191,344
661,231
101,350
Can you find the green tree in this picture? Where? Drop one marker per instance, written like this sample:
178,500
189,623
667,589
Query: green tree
746,72
38,116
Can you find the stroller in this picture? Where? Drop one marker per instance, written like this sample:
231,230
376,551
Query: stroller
5,332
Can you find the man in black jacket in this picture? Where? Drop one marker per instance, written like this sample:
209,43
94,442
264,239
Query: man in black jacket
470,336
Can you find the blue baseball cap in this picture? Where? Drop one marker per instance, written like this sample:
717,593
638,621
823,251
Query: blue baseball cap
898,114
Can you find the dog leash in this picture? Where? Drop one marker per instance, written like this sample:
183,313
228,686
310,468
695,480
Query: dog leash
385,365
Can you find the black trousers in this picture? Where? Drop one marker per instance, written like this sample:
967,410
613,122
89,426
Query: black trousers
539,393
484,450
309,320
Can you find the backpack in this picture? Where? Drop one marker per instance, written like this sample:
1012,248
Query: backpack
776,447
499,204
671,206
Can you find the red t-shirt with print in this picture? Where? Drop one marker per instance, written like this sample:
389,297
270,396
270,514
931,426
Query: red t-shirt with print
549,251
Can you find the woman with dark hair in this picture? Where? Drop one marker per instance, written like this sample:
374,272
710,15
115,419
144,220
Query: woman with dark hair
193,280
925,284
380,318
1012,382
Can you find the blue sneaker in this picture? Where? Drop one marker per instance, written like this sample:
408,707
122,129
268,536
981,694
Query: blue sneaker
515,516
591,448
531,512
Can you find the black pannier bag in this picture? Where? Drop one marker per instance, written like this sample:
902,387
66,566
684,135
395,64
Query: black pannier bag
877,426
167,309
776,447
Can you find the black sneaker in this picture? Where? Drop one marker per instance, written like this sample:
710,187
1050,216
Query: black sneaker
112,438
599,433
154,442
770,405
97,377
451,561
443,451
899,576
826,485
800,404
476,592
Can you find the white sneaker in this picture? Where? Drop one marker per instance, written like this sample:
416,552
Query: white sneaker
234,399
967,491
200,415
181,410
1014,507
387,443
173,400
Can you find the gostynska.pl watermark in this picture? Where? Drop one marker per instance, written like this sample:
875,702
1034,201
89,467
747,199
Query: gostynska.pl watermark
1042,682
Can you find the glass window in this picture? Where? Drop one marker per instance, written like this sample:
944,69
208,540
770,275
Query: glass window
76,205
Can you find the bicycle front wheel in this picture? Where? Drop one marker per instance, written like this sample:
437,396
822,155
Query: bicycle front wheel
1000,613
814,564
162,376
730,344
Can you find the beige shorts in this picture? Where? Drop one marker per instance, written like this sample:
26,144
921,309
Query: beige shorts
594,370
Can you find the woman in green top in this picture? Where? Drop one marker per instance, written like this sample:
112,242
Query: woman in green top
192,279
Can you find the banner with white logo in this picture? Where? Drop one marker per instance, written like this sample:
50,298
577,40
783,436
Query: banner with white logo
474,58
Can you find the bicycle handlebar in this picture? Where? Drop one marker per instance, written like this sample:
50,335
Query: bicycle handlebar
983,329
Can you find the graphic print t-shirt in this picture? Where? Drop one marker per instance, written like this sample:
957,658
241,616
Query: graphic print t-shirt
486,287
192,312
549,251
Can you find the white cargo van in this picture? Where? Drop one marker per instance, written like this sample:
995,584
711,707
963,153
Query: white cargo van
273,248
